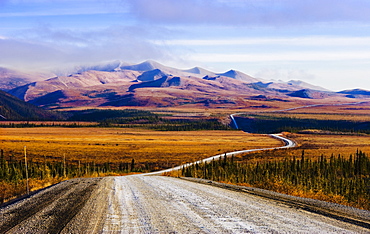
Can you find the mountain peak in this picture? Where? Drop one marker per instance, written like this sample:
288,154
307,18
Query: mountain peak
195,70
232,72
305,85
144,66
199,72
239,76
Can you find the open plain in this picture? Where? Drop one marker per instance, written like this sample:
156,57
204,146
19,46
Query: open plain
100,145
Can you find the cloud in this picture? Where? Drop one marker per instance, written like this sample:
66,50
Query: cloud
287,56
26,54
45,47
262,12
285,74
291,41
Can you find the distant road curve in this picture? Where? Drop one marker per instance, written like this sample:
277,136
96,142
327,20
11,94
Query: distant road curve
288,144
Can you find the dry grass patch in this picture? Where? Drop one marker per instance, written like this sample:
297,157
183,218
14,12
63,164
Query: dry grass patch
117,145
320,116
315,144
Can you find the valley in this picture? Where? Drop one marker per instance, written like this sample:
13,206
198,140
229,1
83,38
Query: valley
140,203
136,120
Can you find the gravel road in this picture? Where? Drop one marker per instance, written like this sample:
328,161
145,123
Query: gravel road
51,209
155,204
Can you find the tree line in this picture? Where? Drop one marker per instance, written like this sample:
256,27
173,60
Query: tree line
14,172
273,124
346,179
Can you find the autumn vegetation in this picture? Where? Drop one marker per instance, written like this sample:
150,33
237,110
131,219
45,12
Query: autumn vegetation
295,122
330,163
59,153
337,179
329,167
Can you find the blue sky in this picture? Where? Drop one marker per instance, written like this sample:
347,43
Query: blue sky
323,42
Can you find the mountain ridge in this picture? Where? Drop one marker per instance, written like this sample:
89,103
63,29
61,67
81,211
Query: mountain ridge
152,84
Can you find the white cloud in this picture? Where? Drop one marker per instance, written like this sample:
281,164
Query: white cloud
284,74
291,41
282,56
45,47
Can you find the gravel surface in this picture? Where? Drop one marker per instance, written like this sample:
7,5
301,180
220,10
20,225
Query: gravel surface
49,210
152,204
155,204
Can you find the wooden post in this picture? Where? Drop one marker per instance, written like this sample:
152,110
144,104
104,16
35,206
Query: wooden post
25,160
64,165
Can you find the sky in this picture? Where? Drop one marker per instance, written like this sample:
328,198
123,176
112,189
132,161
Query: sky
322,42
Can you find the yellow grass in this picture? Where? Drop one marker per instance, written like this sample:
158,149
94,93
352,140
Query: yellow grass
315,145
122,145
321,116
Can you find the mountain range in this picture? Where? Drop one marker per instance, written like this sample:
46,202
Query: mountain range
151,84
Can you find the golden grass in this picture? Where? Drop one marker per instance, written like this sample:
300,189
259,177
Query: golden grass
122,145
314,145
360,108
321,116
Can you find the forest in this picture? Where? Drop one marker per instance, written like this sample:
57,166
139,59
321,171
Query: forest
274,124
129,118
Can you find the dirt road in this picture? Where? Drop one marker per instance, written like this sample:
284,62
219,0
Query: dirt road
155,204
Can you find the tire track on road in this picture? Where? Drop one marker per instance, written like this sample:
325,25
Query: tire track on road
48,211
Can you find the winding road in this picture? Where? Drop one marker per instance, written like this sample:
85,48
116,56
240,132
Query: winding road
155,204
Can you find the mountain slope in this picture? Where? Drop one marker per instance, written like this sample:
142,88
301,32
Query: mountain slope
12,108
311,94
152,75
79,80
356,93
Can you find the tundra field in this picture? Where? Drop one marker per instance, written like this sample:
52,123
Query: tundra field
117,150
161,148
115,145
